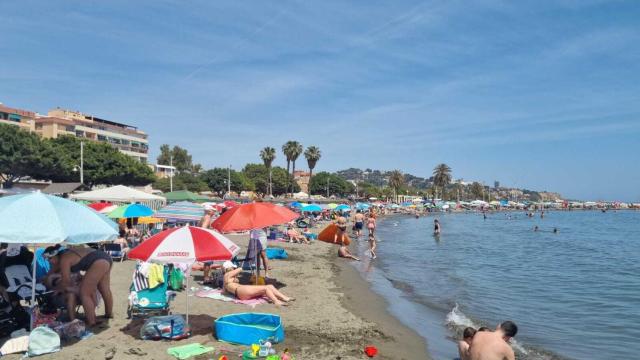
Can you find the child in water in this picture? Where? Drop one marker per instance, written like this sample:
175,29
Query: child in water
463,345
372,246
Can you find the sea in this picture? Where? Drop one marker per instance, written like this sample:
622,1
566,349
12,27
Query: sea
574,294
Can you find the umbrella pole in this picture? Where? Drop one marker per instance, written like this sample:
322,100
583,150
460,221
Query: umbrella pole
188,290
33,287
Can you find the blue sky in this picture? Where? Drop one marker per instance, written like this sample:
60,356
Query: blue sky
542,95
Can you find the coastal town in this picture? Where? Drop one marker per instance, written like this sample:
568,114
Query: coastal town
287,180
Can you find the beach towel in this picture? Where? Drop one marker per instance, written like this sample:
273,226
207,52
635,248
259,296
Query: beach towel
276,253
187,351
140,281
156,275
219,294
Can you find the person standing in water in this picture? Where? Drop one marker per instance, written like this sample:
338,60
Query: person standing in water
372,246
371,222
359,223
436,227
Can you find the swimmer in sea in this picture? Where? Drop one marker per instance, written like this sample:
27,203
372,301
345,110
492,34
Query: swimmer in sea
436,227
536,228
555,230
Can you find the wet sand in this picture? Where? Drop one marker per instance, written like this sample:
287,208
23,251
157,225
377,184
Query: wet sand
334,317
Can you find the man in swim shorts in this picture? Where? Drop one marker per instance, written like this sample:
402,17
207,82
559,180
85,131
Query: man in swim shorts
359,222
494,345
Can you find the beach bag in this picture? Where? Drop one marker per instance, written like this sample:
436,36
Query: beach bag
43,340
170,327
176,279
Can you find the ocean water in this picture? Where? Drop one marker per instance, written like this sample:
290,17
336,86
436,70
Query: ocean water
574,294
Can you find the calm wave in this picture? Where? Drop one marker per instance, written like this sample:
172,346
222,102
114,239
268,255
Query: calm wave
573,294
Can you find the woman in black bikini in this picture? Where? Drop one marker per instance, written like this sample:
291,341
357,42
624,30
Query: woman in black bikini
97,267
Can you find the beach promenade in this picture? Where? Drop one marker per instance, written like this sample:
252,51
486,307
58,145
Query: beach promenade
334,317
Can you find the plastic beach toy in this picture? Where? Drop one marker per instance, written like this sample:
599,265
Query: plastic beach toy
371,351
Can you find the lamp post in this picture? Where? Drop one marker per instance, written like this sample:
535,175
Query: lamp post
82,162
229,180
171,176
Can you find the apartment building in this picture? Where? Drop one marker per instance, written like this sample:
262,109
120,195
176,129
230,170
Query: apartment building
22,118
128,139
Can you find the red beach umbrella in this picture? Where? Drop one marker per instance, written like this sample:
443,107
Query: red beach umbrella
253,216
185,245
99,206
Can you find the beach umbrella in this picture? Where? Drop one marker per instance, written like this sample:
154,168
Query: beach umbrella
144,220
362,206
253,216
37,218
186,244
332,206
181,211
131,211
184,195
295,204
99,206
342,207
312,208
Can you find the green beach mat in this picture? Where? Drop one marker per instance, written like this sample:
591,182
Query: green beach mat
187,351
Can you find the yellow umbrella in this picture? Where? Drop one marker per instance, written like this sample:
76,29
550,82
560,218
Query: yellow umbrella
144,220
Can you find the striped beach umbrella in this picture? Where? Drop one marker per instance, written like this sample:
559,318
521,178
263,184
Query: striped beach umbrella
181,211
186,244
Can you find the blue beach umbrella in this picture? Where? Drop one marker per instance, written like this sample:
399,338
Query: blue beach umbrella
295,204
312,208
362,206
37,218
130,211
342,207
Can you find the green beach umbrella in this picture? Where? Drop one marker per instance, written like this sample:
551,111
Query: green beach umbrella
332,206
185,195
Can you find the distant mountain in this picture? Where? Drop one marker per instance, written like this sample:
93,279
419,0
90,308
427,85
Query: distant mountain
381,178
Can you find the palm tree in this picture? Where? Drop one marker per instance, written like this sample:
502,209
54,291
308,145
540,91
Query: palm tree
442,176
268,154
313,155
286,150
296,151
396,180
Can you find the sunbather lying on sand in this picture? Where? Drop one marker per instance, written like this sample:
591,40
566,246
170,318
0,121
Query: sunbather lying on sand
295,236
246,292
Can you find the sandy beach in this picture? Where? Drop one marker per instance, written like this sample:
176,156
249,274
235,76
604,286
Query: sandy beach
334,317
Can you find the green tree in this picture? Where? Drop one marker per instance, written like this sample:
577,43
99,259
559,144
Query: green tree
336,185
442,177
313,155
182,160
23,154
287,150
396,180
216,179
182,181
268,154
103,164
477,190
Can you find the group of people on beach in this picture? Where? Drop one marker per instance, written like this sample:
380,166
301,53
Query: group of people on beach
359,220
484,344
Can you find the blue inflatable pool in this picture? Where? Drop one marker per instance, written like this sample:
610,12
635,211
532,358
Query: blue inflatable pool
249,328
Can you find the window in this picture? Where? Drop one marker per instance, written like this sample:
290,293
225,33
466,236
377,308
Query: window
79,133
4,116
102,138
38,126
70,128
